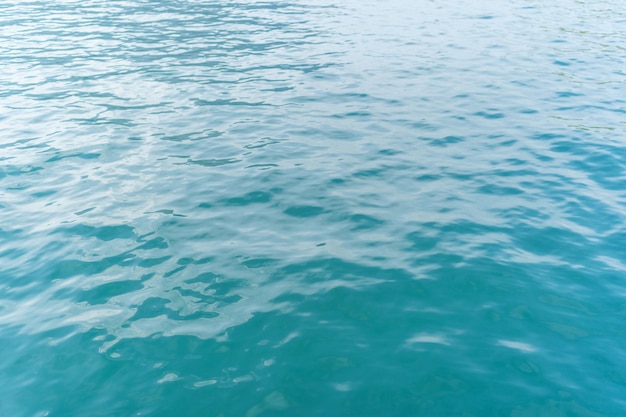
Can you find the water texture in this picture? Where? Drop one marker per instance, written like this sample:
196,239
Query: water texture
308,208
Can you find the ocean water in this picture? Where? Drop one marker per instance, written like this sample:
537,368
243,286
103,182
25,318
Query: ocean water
252,208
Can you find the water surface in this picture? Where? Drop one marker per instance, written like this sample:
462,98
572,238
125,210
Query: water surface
308,208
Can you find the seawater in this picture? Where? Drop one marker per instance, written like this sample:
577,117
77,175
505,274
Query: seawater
312,208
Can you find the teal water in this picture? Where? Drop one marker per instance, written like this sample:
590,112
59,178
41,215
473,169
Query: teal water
312,208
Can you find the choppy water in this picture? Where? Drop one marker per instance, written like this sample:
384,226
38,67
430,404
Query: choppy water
309,208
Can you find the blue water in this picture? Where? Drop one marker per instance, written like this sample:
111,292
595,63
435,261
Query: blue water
312,208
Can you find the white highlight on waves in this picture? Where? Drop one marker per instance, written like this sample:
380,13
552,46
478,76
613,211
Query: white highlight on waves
521,346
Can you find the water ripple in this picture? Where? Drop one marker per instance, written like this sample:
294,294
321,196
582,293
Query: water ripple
375,209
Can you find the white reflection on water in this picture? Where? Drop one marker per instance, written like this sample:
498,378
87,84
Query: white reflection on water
435,338
521,346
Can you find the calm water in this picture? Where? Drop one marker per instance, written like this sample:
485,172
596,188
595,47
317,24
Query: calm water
309,208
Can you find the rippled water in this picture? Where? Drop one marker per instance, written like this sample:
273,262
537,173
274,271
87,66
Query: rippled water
308,208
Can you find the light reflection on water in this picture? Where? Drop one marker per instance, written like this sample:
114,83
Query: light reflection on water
375,209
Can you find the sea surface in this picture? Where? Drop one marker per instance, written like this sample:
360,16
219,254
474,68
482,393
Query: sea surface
246,208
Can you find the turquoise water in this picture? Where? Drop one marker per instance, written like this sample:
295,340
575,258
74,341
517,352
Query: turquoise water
309,208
